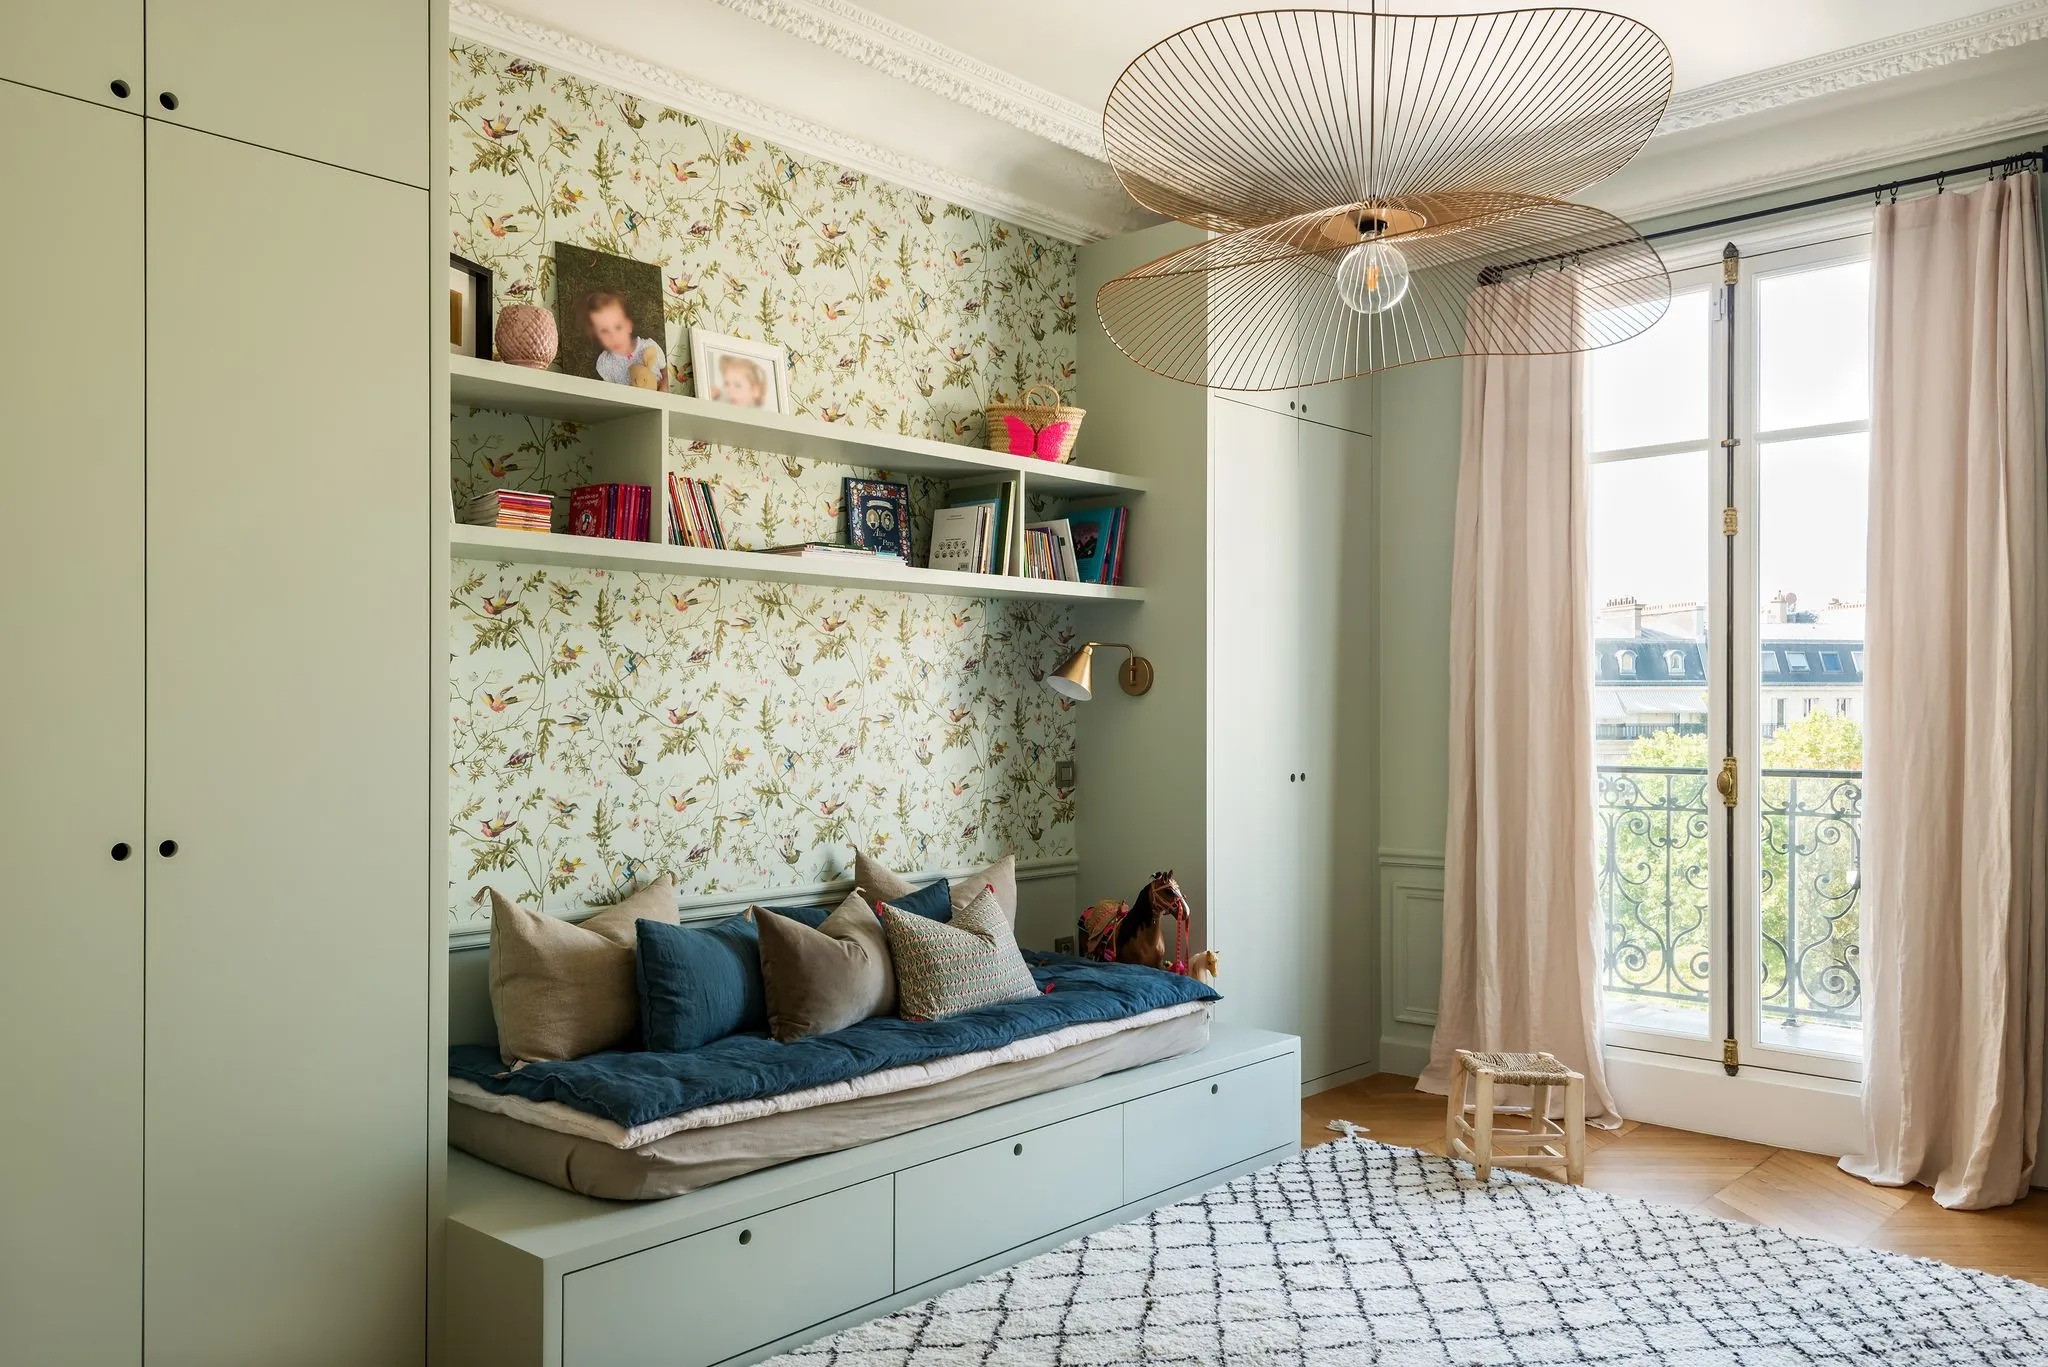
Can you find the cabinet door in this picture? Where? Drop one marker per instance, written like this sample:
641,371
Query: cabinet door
288,697
71,735
1254,747
80,48
1335,691
345,84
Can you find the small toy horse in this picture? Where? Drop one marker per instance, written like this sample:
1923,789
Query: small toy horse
1134,932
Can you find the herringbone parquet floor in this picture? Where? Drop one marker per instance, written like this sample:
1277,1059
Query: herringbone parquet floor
1801,1192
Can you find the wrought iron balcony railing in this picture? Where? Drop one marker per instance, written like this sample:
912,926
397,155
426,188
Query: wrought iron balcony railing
1655,826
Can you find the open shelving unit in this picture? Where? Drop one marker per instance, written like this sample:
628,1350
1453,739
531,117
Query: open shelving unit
629,431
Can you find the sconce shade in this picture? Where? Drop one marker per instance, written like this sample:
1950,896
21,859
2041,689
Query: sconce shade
1074,679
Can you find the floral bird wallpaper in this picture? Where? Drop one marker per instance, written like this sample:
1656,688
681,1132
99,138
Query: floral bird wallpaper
608,727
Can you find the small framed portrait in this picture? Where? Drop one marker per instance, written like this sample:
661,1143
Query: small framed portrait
739,371
469,307
608,315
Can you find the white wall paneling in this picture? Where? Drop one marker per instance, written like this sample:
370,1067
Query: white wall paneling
1411,956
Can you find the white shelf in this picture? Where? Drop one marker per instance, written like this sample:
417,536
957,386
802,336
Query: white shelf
552,548
475,383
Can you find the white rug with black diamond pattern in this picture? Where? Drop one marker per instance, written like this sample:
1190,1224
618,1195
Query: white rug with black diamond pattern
1354,1252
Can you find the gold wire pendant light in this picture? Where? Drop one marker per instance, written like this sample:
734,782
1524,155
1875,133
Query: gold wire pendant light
1365,173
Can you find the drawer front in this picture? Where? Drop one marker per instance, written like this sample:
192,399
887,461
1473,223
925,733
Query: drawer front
972,1205
702,1299
1176,1136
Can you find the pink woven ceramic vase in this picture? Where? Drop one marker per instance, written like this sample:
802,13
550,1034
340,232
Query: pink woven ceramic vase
526,336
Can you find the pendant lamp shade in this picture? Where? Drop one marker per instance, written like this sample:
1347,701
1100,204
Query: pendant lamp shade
1364,173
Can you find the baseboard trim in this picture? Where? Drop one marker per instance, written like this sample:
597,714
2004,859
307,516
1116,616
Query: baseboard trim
1406,1058
1328,1080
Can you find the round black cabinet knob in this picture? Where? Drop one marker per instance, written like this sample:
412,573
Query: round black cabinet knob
120,89
1018,1150
120,850
1214,1088
167,848
746,1236
167,100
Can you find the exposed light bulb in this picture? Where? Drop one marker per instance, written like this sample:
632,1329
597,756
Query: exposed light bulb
1372,277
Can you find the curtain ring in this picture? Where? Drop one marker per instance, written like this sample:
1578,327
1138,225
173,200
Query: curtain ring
1941,183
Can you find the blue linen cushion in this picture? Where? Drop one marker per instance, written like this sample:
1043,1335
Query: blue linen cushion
699,983
933,901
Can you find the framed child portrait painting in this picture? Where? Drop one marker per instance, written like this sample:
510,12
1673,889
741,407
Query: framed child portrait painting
608,313
740,371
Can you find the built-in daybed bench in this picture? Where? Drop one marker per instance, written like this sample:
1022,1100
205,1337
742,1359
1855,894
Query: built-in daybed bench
541,1277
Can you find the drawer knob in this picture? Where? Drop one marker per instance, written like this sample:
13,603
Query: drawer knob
120,850
746,1236
1214,1088
120,89
167,848
167,100
1018,1150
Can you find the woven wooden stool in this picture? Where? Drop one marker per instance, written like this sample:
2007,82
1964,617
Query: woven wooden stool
1542,1142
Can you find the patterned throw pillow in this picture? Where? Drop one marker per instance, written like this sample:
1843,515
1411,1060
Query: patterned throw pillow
943,969
879,884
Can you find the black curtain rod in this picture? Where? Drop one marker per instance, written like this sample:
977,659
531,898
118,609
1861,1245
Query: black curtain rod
2018,161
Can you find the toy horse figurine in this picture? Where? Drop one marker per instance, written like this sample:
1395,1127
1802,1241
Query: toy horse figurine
1135,933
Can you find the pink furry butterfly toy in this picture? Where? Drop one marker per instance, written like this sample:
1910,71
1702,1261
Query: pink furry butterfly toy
1135,932
1039,425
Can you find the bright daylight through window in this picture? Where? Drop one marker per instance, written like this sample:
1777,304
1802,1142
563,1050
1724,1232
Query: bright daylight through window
1663,591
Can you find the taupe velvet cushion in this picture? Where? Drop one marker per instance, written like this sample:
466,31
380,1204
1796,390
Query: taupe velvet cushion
561,990
826,979
878,884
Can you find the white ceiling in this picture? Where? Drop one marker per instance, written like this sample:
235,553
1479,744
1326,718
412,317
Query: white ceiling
997,105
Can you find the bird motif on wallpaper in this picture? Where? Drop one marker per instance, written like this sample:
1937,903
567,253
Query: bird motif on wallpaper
959,789
499,127
575,721
565,810
833,413
681,802
700,229
961,259
833,313
567,197
956,715
831,806
569,654
563,595
498,702
518,759
499,467
676,718
681,285
698,854
785,170
629,661
685,172
493,828
566,137
629,760
629,110
832,623
627,223
923,753
567,866
519,66
831,232
500,224
834,701
788,850
970,831
681,603
700,655
519,289
497,604
846,751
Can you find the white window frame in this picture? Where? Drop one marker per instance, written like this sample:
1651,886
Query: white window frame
1827,245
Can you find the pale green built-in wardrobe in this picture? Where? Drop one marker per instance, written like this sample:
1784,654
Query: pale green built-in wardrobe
216,954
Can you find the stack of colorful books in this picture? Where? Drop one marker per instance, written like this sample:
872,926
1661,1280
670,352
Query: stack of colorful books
1099,543
692,516
617,511
832,550
514,510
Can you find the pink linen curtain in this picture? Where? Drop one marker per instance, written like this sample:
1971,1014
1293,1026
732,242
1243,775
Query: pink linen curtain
1521,916
1955,873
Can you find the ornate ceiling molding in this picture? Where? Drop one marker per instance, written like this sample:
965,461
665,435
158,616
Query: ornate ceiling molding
863,36
1830,73
635,76
1920,145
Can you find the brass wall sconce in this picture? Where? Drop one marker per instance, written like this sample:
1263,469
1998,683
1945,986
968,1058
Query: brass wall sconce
1073,679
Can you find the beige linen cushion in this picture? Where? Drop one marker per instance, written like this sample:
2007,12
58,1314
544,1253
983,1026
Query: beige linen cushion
878,884
562,990
943,969
826,979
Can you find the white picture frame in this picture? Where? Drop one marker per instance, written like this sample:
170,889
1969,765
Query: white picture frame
732,369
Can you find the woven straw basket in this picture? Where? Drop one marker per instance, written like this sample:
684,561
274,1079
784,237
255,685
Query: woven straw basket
1021,429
